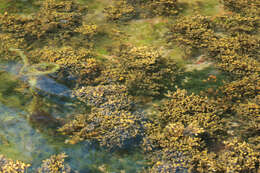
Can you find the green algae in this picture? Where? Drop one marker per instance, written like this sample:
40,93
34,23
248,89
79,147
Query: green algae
210,7
208,79
18,6
9,91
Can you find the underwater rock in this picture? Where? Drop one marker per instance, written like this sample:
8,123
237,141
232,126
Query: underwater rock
42,118
42,83
50,86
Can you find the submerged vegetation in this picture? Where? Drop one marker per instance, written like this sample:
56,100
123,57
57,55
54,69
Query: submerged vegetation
183,92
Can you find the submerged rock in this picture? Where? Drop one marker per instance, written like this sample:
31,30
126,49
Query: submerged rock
42,82
42,118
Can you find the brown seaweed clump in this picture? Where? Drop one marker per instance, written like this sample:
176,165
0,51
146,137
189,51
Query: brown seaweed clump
245,7
106,97
114,122
192,33
54,34
151,8
118,130
55,164
237,157
183,128
187,136
56,23
75,64
248,117
124,10
239,90
236,55
236,24
234,52
8,40
11,166
188,133
53,19
187,109
143,70
162,7
239,101
61,22
120,10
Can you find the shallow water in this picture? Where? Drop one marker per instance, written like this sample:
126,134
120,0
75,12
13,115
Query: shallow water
20,139
30,103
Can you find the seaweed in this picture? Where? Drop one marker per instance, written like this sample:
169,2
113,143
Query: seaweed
143,70
54,164
129,83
